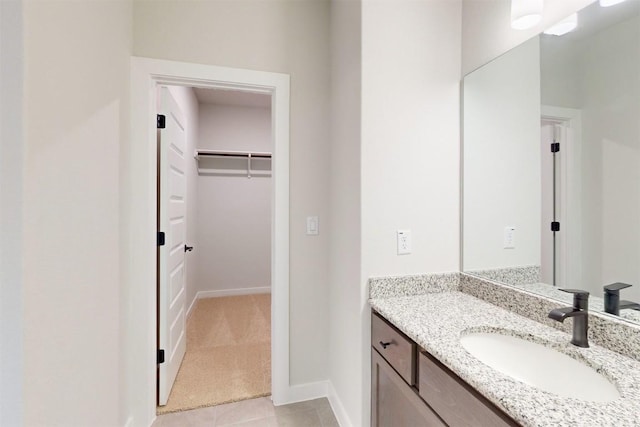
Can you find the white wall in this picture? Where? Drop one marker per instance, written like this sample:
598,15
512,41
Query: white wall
281,36
234,212
76,116
346,333
410,147
410,136
11,228
487,32
560,85
231,127
188,103
502,160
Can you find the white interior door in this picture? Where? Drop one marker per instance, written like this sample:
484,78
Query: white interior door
547,256
556,261
567,125
172,221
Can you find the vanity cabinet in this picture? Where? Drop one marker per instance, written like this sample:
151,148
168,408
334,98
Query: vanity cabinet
410,388
394,399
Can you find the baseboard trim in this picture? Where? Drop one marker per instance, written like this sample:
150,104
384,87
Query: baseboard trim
192,305
303,392
337,407
233,292
226,293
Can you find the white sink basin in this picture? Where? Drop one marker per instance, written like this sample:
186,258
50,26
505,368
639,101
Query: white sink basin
540,366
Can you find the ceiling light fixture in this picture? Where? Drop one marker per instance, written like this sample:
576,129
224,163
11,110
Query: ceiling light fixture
563,27
525,13
607,3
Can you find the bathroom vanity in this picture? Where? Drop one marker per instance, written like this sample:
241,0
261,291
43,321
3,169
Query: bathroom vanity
422,374
550,155
410,387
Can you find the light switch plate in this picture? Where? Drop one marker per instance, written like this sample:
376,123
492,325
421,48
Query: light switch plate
404,242
312,226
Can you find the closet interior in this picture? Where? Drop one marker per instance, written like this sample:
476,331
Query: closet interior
228,223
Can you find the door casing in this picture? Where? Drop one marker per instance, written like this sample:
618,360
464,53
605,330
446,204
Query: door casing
138,227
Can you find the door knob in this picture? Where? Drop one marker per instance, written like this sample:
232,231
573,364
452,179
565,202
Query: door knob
188,248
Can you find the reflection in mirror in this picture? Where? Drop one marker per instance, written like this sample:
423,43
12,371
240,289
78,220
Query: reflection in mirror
552,142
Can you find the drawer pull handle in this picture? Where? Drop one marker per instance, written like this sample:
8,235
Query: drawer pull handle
385,344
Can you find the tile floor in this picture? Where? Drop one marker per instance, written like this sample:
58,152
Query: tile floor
255,413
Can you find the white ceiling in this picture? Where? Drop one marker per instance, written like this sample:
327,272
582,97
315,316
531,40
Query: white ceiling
232,97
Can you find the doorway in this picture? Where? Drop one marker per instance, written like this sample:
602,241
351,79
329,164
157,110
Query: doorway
139,185
561,193
214,281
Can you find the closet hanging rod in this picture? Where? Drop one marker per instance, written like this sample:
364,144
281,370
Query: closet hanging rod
236,154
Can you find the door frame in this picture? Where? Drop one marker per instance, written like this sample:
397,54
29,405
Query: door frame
571,184
13,286
138,228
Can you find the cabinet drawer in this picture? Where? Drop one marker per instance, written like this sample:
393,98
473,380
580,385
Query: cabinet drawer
456,402
395,347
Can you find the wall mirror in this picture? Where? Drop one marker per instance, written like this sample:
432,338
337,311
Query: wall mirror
551,161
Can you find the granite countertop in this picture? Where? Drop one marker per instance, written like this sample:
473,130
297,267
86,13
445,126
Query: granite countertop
436,321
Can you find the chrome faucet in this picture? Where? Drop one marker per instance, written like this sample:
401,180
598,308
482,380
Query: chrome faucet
580,313
612,303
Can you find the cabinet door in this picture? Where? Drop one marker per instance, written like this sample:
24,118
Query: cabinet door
393,402
454,400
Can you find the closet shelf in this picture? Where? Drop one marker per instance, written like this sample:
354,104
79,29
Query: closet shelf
217,154
237,154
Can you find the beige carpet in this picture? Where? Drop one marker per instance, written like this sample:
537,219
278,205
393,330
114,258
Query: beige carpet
228,354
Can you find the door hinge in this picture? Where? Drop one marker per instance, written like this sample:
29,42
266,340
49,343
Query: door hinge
160,356
555,147
160,238
161,121
555,226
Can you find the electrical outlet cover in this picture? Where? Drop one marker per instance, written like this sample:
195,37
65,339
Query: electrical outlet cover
404,242
509,238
